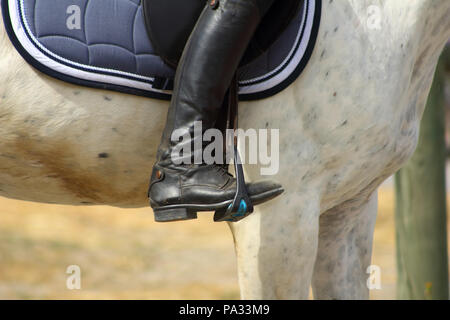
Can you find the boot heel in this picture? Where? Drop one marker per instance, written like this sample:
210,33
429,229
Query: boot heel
168,215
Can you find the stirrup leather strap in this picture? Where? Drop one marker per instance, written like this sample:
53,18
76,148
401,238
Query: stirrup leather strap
242,205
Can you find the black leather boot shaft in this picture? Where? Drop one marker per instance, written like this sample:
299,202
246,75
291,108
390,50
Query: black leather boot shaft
208,63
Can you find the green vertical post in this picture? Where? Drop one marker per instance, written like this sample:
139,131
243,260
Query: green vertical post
421,215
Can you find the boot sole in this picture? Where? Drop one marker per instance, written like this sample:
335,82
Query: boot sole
180,212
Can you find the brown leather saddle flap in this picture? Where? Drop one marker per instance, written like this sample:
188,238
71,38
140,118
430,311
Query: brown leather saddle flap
170,22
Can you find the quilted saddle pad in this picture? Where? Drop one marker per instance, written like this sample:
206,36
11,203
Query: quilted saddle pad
104,44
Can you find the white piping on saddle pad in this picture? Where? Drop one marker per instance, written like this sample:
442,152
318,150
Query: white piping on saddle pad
307,25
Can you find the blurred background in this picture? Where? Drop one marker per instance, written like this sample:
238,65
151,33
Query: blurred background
124,254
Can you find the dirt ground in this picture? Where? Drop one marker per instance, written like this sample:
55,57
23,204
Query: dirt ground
123,254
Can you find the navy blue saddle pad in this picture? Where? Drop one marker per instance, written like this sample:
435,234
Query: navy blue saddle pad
104,44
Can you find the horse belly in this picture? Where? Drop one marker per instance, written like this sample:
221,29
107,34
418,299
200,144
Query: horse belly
72,145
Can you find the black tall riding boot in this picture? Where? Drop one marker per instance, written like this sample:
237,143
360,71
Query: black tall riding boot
205,71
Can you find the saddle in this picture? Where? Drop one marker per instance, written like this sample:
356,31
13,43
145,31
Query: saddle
170,22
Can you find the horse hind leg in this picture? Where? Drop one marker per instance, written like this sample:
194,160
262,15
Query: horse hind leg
345,249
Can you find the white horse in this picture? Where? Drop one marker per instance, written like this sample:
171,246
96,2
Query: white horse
347,123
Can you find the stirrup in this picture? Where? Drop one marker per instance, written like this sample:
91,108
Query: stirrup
241,206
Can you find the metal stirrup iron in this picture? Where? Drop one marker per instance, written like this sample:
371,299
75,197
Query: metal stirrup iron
241,206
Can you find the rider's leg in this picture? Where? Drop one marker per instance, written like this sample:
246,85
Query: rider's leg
205,71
